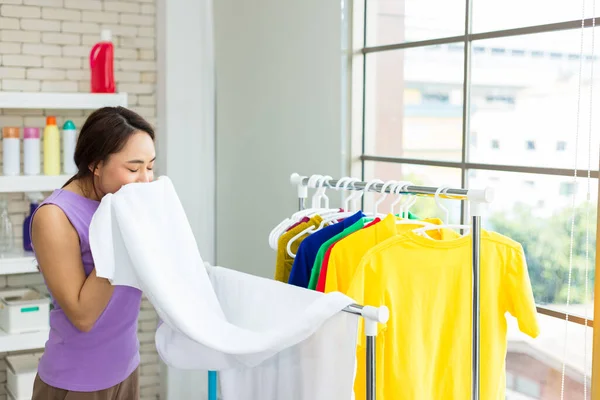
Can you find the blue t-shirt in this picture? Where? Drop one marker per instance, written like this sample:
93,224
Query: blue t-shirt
308,249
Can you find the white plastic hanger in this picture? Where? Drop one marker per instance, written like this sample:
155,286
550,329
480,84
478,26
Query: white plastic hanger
330,219
354,196
348,212
281,228
397,190
287,222
405,207
421,231
411,199
320,193
384,195
366,190
314,208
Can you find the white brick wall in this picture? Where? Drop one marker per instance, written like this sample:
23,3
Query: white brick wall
44,46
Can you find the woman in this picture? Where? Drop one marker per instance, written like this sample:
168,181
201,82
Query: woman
93,350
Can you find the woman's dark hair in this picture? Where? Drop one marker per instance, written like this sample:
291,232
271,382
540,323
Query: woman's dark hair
105,132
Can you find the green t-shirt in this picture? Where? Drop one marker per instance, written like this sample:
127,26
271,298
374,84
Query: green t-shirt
316,269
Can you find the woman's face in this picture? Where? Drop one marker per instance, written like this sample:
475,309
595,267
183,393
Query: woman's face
134,163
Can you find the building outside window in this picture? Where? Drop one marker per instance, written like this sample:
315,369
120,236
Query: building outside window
561,145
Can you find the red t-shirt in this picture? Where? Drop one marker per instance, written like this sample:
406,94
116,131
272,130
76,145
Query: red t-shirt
323,274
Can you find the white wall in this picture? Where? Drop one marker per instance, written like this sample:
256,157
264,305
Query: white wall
279,110
186,139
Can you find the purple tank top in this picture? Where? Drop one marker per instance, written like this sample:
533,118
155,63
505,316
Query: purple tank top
109,352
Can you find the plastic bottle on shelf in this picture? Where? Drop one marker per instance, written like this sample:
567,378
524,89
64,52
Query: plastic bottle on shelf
7,238
35,198
31,151
69,136
11,151
51,147
102,64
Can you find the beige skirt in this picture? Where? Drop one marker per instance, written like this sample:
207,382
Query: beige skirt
126,390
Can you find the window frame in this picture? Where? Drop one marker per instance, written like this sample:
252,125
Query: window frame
356,52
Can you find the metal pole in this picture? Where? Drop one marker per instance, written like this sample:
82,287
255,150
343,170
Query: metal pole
481,195
371,395
476,239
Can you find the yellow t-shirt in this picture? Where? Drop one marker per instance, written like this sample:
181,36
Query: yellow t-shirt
345,257
424,350
283,263
347,253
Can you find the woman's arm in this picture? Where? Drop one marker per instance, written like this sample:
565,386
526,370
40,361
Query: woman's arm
57,250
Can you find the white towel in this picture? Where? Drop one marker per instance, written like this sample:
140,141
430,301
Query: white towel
271,341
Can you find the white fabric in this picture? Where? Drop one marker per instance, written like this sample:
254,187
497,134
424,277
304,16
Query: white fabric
270,340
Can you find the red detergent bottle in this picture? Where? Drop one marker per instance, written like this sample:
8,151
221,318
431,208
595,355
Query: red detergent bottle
102,64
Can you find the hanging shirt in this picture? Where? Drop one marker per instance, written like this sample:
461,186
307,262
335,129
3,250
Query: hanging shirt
424,350
323,272
305,219
307,252
346,255
316,269
284,262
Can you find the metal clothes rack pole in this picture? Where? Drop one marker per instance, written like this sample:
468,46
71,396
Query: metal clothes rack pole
476,198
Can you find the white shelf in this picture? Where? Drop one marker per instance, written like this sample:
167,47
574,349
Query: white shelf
23,341
61,101
32,183
23,263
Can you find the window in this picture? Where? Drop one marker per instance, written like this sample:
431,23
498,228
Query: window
529,183
473,138
528,387
567,188
510,380
436,98
500,99
530,144
508,122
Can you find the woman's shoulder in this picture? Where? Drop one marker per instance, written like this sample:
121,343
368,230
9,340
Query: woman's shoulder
50,215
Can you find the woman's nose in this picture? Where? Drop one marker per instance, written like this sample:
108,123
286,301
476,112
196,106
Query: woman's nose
144,176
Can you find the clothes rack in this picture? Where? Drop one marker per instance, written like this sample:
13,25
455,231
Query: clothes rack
476,198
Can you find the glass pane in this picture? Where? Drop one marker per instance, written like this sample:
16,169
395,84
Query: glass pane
413,105
536,211
424,207
524,98
534,366
497,15
398,21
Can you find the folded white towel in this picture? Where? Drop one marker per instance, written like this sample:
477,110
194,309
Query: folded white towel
271,340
